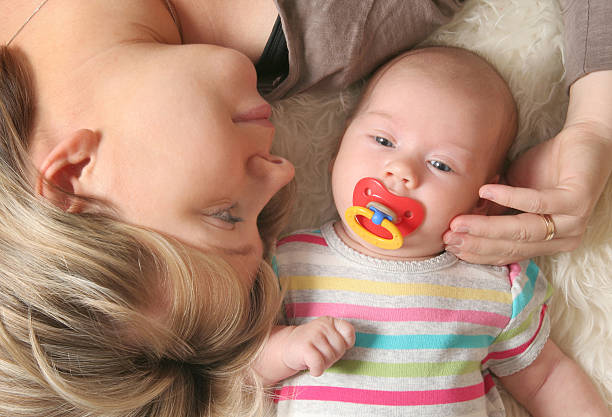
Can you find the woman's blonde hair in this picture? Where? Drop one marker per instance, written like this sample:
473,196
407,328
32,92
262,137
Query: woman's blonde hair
82,332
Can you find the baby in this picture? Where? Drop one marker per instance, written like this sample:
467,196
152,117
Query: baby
430,331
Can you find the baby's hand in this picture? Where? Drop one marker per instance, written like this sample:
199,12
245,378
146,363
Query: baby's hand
318,344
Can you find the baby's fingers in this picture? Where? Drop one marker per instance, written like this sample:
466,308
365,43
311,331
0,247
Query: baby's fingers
334,338
346,330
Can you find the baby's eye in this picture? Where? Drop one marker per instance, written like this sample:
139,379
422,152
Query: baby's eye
383,141
226,216
441,166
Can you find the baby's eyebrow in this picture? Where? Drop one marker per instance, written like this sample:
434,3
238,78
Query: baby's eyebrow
467,153
378,113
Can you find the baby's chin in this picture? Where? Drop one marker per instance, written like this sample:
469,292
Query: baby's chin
413,248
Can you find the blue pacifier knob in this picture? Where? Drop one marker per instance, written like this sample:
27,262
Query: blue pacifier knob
379,216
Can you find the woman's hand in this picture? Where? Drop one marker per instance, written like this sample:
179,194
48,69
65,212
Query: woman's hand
562,177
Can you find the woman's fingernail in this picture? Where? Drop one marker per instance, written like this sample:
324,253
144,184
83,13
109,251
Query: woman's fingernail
462,229
487,194
454,241
452,249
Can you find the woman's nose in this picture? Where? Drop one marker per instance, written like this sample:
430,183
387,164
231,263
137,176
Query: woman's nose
268,168
400,175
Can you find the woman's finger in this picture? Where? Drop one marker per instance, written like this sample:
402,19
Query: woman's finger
501,252
549,201
523,227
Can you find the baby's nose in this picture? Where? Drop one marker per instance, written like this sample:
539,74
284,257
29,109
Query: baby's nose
400,175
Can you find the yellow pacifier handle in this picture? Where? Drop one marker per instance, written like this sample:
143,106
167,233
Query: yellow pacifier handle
396,240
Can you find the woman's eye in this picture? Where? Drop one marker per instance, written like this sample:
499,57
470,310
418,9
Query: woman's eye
441,166
383,141
226,216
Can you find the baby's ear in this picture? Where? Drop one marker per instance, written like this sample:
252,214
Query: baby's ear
487,207
61,172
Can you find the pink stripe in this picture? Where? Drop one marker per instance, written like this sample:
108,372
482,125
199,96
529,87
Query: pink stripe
395,314
488,383
303,237
515,270
395,398
519,349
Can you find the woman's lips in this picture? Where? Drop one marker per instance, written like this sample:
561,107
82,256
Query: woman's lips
258,115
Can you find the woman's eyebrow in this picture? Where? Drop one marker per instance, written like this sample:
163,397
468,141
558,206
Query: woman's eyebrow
244,250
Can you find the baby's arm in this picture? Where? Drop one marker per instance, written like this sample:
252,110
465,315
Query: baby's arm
315,345
554,385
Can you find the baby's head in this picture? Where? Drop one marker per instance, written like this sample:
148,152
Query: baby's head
434,125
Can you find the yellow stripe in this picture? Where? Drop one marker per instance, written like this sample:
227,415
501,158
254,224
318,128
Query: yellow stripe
306,282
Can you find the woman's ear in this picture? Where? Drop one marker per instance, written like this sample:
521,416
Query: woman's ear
61,172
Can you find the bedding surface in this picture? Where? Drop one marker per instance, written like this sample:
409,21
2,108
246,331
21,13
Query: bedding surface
524,40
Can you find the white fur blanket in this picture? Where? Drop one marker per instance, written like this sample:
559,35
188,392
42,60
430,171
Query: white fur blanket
523,39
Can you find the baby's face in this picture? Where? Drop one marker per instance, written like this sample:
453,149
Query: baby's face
425,140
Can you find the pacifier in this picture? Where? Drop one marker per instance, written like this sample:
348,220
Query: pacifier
380,217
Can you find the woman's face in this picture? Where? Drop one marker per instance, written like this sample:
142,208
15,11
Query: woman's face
185,146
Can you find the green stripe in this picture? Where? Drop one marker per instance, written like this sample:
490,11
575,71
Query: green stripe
549,291
515,331
404,370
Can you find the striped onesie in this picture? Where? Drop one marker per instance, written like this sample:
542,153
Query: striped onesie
429,334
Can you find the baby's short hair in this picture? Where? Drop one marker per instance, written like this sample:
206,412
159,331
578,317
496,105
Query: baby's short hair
465,69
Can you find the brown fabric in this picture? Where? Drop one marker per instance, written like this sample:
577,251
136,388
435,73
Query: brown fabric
333,43
588,37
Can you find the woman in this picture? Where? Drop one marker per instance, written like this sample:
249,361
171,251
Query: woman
145,268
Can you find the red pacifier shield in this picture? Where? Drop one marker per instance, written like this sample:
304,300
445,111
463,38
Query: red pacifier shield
409,212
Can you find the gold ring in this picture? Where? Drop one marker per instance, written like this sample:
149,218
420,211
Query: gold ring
550,226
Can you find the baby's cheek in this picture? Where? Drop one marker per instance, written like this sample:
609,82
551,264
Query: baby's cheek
343,200
437,220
